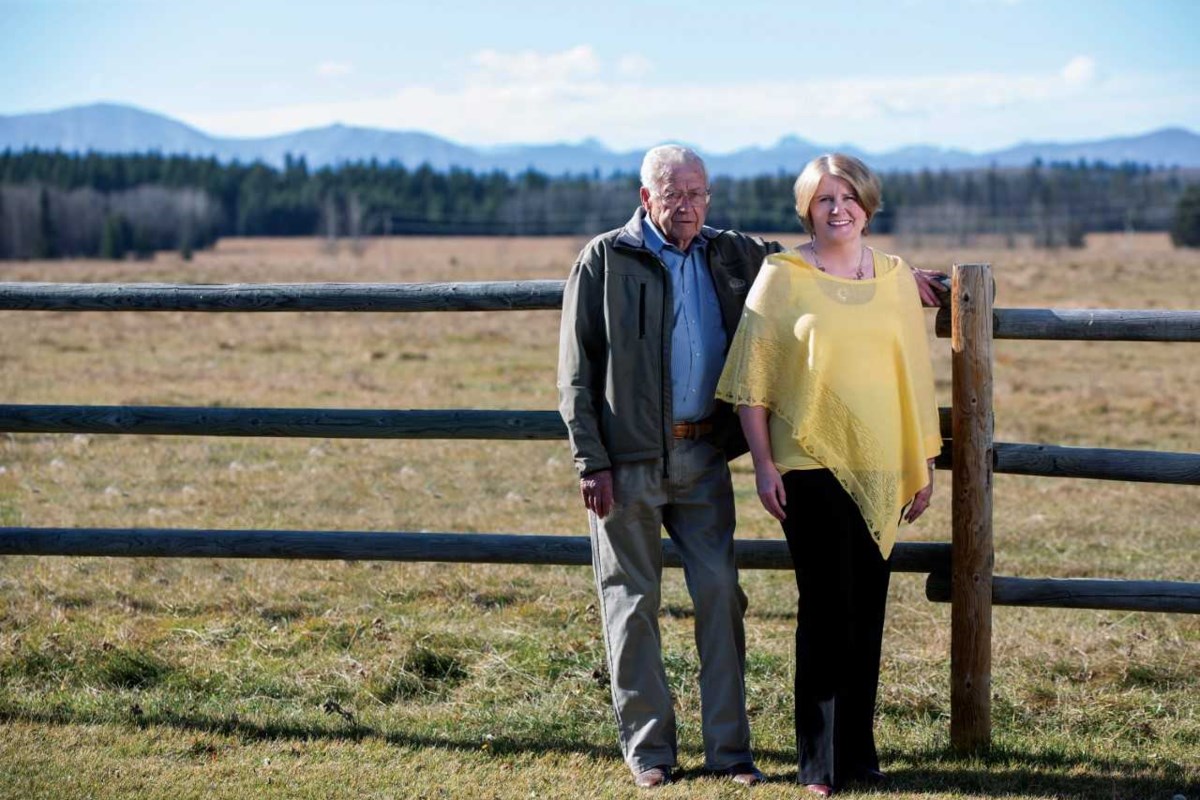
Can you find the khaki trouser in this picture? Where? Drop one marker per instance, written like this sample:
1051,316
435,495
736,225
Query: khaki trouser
695,504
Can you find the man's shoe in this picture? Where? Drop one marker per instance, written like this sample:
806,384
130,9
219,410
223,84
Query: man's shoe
745,774
823,789
653,777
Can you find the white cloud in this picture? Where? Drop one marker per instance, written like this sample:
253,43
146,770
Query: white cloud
334,69
634,65
1079,70
534,97
531,66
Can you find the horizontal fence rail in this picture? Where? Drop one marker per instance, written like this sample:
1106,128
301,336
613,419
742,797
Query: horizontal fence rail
1093,593
1058,461
482,548
467,296
1008,323
1110,325
330,423
333,423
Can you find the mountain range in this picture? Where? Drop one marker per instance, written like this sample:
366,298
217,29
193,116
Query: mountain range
114,128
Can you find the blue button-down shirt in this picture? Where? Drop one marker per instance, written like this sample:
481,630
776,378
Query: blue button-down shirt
698,336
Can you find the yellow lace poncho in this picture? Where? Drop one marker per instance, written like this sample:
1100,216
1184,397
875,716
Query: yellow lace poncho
846,364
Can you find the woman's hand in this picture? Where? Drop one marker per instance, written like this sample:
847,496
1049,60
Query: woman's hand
921,499
766,475
932,286
770,489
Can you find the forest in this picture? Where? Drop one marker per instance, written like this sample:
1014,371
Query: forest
55,204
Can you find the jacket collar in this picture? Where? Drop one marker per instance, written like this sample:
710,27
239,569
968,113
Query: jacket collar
632,238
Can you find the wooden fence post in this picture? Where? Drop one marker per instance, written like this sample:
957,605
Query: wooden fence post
971,508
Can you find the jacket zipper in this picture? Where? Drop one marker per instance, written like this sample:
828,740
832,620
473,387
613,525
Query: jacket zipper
642,311
663,366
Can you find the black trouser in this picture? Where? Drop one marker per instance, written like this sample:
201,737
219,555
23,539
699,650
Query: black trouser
843,583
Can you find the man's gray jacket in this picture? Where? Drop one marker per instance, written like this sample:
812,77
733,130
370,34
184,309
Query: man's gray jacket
614,355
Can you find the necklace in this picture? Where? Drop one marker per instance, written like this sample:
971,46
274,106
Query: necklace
858,271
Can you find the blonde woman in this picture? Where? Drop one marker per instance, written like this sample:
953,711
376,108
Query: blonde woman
830,372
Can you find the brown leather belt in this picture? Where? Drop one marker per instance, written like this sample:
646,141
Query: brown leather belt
691,430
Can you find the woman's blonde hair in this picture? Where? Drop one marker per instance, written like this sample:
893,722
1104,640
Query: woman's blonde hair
865,183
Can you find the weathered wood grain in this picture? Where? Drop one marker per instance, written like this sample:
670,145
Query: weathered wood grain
1118,595
1098,463
473,296
334,423
971,509
1008,323
478,548
330,423
1146,466
1110,325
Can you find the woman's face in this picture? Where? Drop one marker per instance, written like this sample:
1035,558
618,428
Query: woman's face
835,213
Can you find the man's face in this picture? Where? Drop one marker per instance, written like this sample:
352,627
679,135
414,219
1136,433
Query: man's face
679,205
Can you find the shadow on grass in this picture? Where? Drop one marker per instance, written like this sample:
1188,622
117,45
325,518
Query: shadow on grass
1004,772
351,731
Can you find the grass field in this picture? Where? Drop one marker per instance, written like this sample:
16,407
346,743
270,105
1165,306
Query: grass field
232,679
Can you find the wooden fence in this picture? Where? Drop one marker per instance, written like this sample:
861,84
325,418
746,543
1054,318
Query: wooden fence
959,572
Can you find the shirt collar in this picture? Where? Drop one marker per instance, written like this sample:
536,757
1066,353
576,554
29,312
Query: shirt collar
656,242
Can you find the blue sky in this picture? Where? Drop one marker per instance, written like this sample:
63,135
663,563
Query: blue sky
974,74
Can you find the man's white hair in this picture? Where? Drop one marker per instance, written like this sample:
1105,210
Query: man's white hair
661,161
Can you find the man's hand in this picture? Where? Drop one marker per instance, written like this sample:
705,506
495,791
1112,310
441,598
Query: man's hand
930,286
597,491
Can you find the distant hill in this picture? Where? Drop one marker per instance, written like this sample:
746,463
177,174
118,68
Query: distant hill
1172,147
113,128
105,128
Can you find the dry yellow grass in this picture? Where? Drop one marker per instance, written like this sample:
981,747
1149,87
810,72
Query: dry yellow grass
1086,703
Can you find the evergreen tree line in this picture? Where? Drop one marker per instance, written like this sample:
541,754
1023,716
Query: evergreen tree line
1185,228
54,203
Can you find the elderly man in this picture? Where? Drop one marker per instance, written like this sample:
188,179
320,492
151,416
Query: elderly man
648,313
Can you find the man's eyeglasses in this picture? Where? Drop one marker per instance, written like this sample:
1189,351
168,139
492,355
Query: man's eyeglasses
674,199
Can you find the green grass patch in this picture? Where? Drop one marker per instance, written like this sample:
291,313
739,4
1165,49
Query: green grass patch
106,666
422,672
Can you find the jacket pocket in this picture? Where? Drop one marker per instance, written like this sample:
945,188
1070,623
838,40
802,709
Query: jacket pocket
641,311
